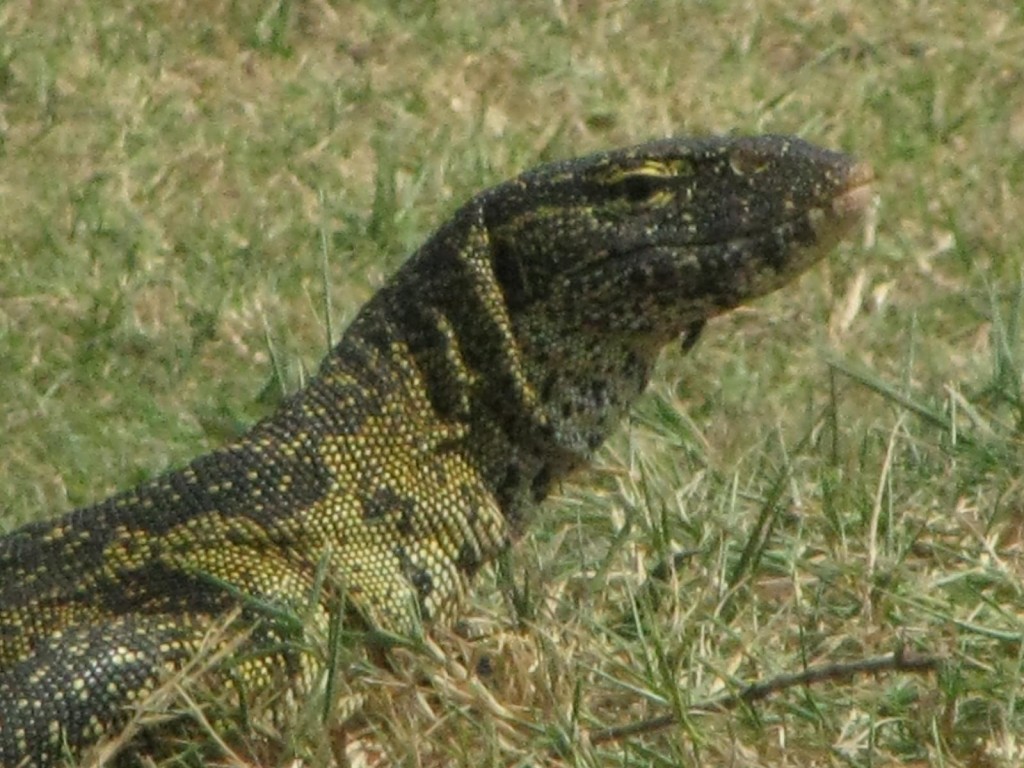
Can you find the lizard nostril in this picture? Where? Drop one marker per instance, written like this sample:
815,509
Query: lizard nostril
748,161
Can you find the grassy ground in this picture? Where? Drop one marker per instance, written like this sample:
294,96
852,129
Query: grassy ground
841,461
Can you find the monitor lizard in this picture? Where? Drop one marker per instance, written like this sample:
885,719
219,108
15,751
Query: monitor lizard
486,370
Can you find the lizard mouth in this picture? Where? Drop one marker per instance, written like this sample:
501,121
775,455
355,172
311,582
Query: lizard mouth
831,221
856,194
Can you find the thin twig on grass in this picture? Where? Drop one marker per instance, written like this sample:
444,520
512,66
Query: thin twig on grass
899,661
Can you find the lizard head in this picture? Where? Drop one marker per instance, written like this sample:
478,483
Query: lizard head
603,260
653,239
535,315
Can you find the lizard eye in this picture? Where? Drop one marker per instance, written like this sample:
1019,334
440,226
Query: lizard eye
639,187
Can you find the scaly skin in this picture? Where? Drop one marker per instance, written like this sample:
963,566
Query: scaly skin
490,367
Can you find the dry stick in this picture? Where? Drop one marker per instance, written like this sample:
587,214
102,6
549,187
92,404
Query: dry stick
900,661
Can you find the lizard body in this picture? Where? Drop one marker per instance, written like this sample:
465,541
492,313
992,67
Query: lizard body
489,368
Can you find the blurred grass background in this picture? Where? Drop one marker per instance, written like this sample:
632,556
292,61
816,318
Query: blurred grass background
180,181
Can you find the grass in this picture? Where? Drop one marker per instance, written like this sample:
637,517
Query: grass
840,461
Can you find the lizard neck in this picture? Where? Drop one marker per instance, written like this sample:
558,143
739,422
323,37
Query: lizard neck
440,345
